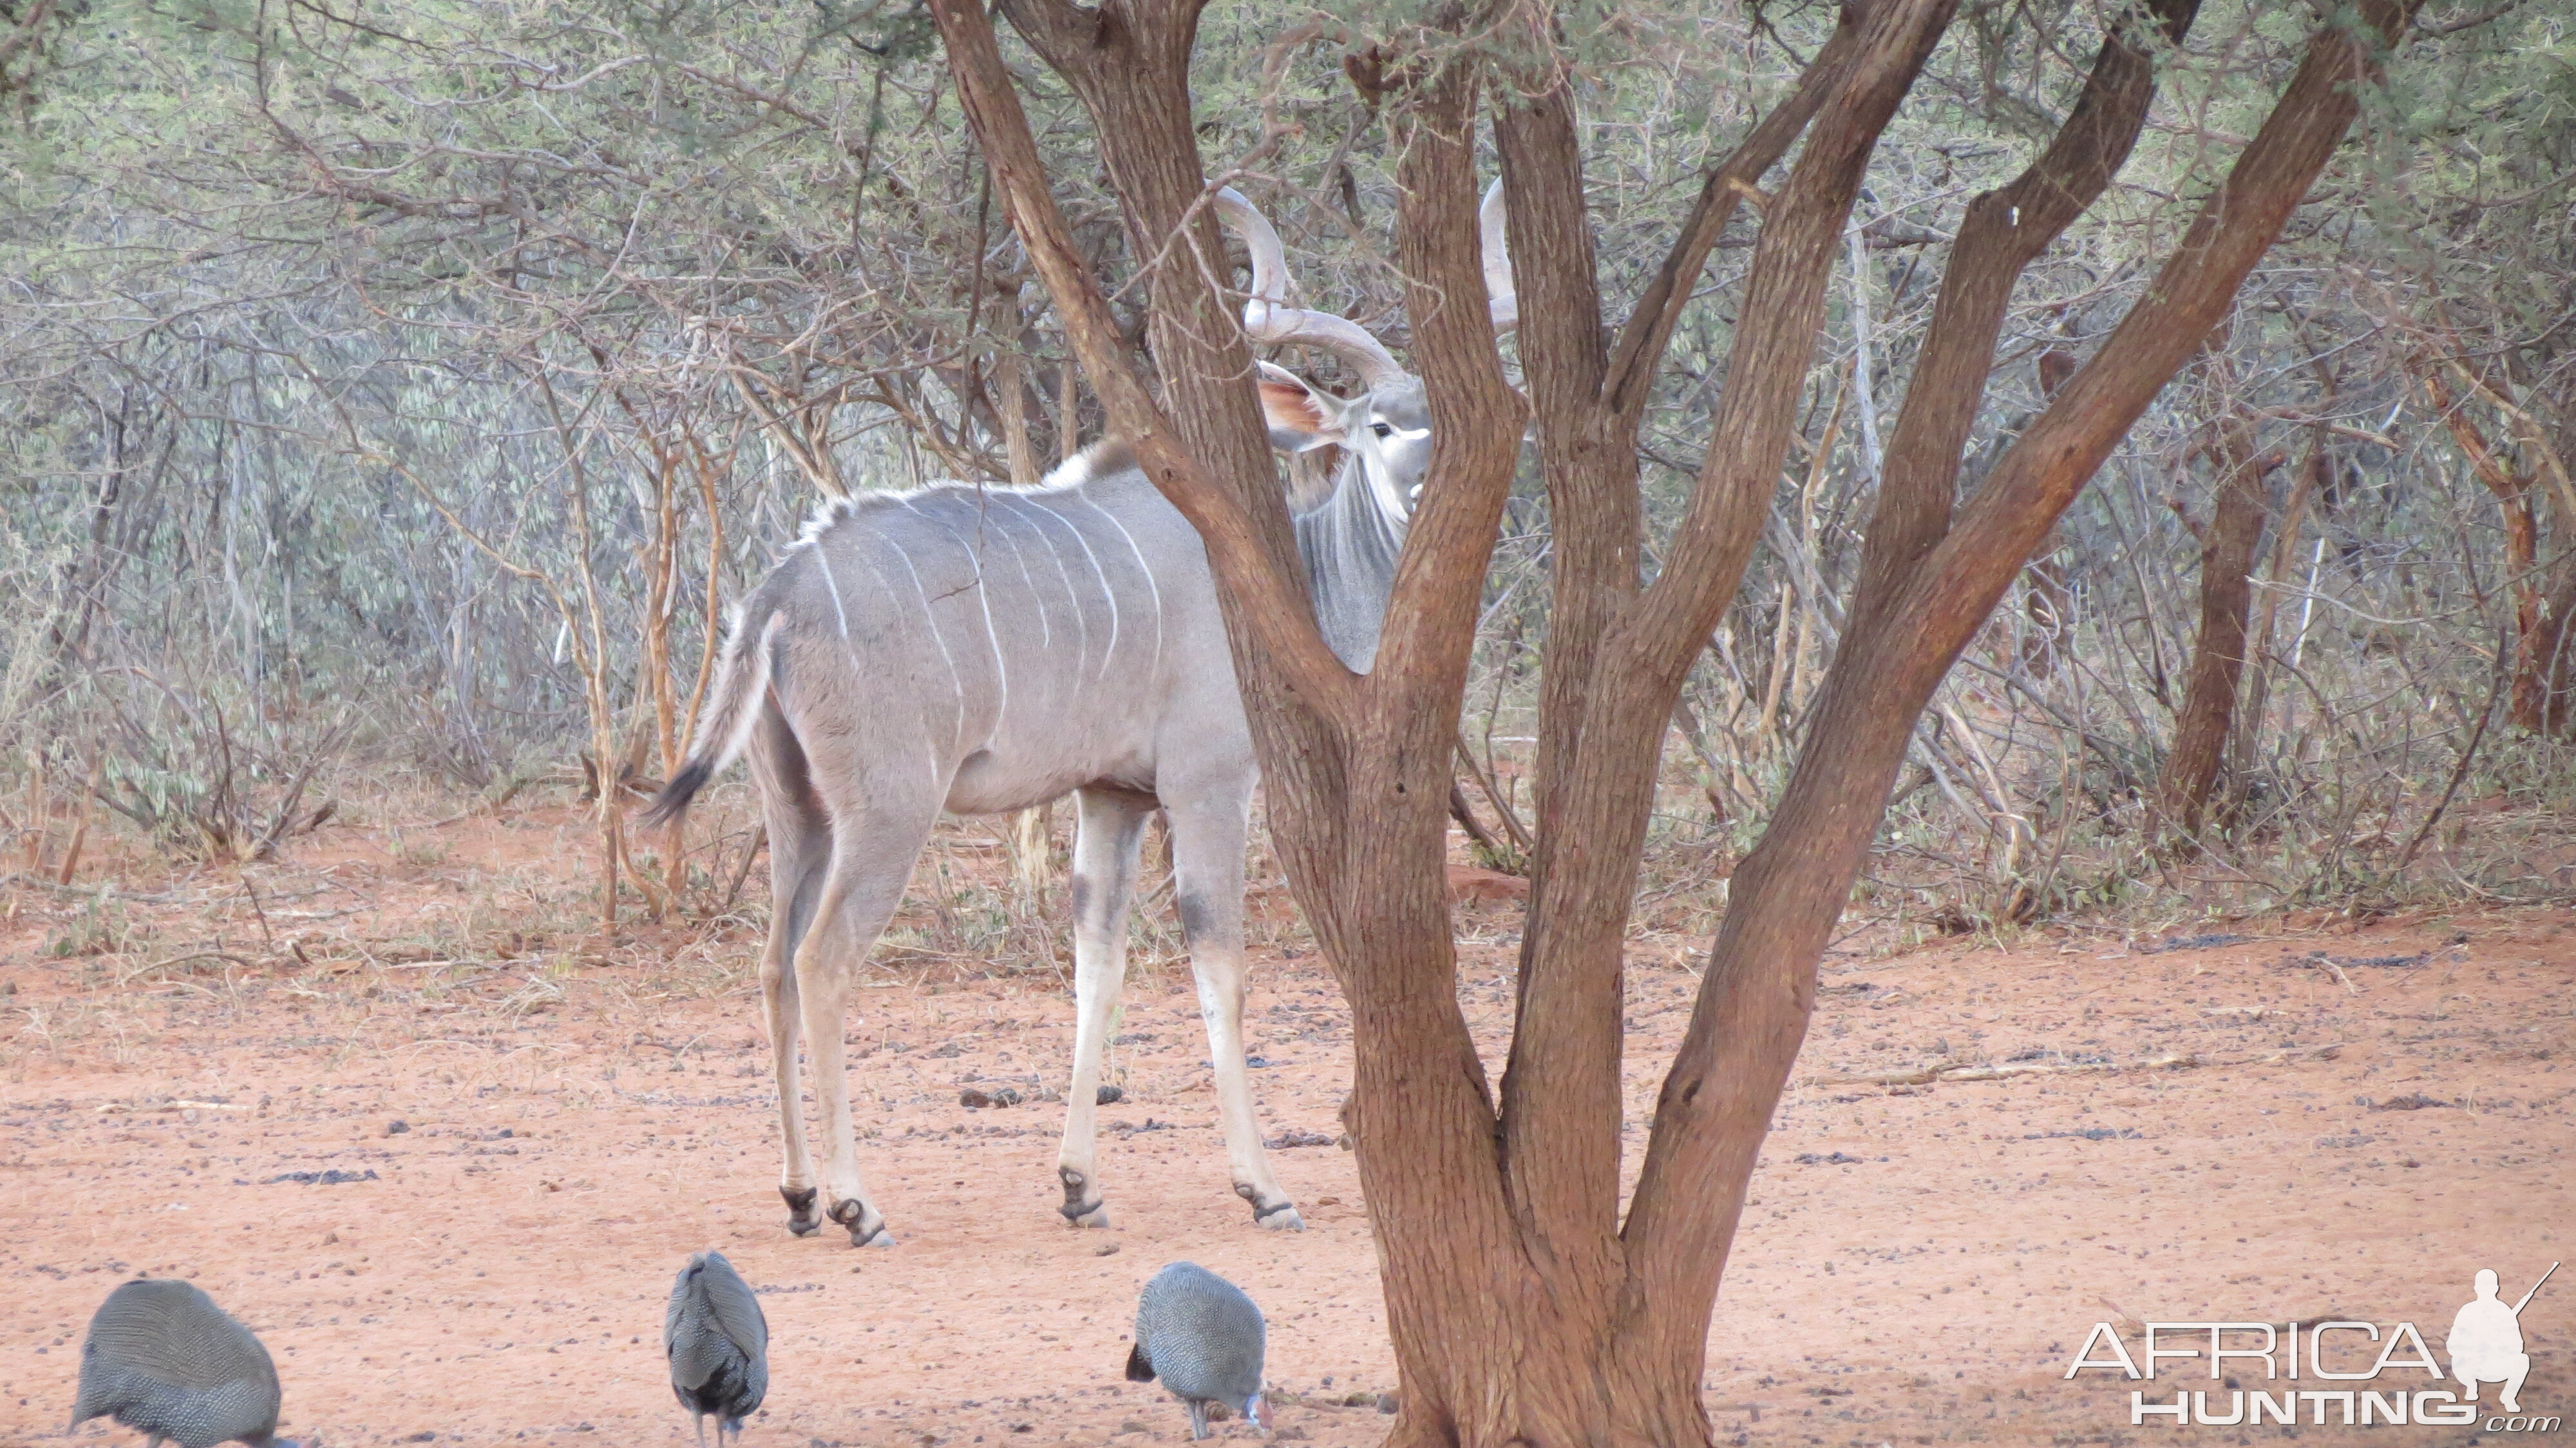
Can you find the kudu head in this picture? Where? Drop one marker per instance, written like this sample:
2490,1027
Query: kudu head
1385,431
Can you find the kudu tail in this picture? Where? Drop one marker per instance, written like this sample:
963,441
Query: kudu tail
742,676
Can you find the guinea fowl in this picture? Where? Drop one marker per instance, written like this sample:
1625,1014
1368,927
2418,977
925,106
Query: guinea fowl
1203,1338
162,1358
718,1342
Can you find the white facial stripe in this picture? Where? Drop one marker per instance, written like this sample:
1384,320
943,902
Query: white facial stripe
1408,434
1384,488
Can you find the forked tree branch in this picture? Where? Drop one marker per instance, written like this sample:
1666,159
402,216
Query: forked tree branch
1587,455
1589,402
1476,417
1640,349
1073,38
2054,458
1561,1100
2005,230
1793,261
1753,1007
1273,600
1589,396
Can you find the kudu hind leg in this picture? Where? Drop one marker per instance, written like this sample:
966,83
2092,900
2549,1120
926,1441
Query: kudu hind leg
1109,828
800,852
872,856
798,857
1207,858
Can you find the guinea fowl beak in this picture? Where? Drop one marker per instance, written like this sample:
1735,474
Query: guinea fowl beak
1257,1408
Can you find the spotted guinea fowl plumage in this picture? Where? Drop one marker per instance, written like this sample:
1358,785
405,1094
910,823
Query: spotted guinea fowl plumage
162,1358
718,1342
1204,1338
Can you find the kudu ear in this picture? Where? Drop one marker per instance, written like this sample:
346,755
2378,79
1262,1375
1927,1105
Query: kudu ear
1301,418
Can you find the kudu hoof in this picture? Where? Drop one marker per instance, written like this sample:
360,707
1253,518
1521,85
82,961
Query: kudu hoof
866,1228
1279,1216
1081,1208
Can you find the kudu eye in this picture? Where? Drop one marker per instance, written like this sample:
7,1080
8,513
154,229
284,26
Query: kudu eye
1383,430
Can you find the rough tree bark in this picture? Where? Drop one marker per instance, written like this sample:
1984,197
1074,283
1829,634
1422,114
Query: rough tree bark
1760,985
1521,1307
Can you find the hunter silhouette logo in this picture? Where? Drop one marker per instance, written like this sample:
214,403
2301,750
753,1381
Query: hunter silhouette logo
2485,1345
2486,1341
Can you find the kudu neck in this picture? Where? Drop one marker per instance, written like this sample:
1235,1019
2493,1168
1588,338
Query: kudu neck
1351,544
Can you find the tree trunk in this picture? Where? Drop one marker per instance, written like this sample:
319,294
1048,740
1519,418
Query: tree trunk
2551,638
1520,1307
662,571
2535,641
2558,606
2208,710
1760,986
611,845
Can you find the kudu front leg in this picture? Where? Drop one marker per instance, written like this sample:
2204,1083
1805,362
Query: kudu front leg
1207,856
1108,828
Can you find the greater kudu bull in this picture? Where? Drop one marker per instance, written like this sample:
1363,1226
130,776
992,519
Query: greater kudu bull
904,658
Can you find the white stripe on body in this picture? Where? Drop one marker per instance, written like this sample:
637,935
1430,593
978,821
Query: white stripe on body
930,617
938,771
1046,631
1152,589
1106,591
833,587
992,640
1081,620
1070,679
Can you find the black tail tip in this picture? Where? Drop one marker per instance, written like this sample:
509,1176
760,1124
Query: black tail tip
1140,1369
673,801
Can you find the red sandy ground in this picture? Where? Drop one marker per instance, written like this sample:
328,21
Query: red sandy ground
1919,1264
